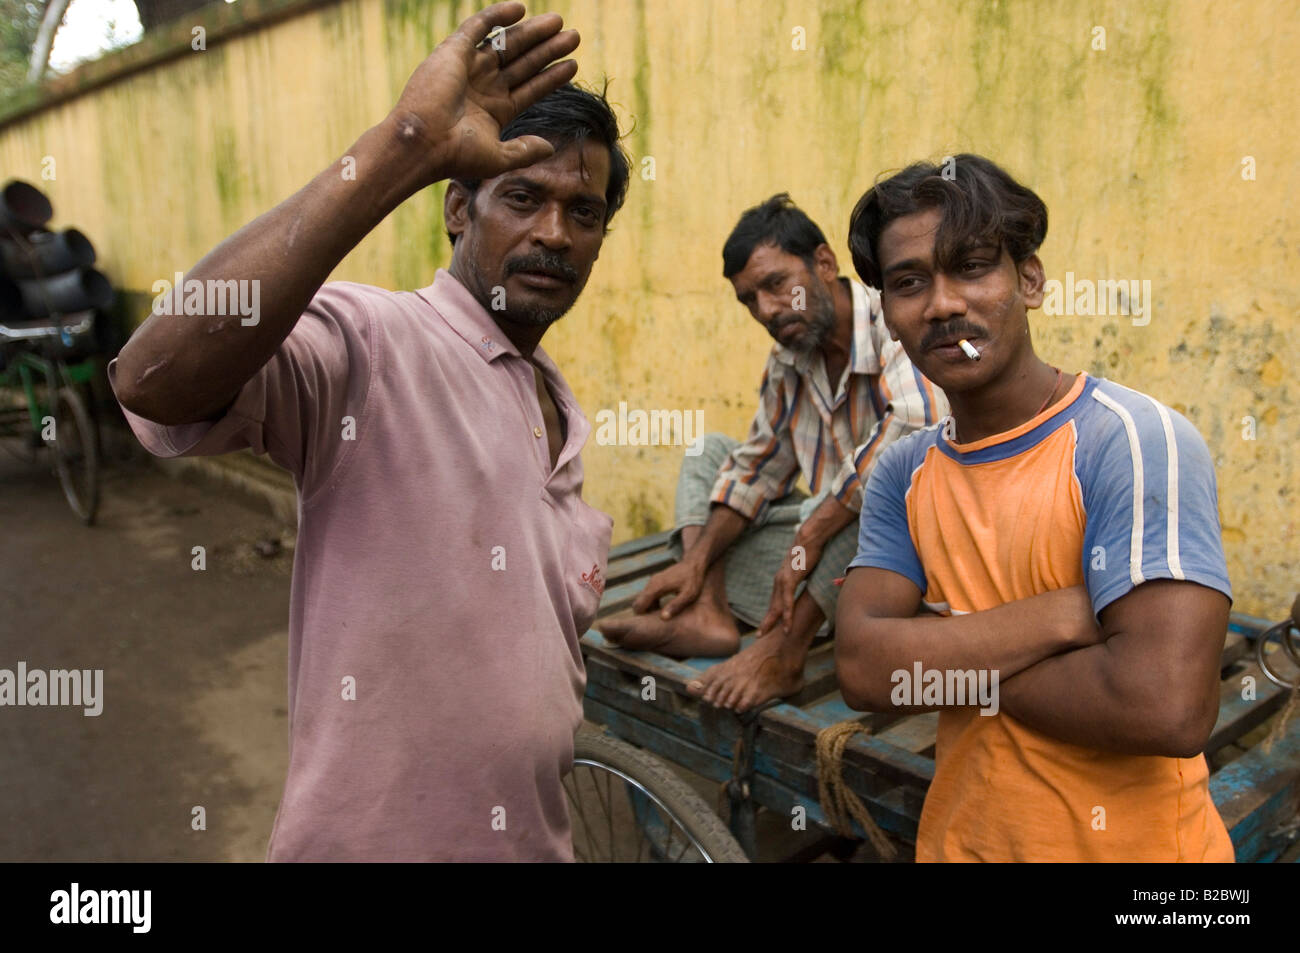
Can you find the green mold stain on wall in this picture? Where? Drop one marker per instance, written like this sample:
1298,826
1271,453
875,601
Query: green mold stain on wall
641,516
228,173
640,132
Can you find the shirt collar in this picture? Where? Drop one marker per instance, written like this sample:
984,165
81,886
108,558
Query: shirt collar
1000,446
868,317
865,358
463,313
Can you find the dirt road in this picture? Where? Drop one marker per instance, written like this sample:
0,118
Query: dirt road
193,664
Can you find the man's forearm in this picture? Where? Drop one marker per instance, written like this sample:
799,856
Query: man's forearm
823,524
721,530
1007,639
1095,698
185,368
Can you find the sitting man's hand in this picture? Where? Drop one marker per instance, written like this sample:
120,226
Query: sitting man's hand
781,609
685,578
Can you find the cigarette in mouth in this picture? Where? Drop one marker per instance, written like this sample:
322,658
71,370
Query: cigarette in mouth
969,349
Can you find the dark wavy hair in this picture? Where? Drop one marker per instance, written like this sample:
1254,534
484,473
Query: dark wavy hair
980,204
779,222
567,116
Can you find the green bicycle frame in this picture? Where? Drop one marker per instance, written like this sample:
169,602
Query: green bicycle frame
27,367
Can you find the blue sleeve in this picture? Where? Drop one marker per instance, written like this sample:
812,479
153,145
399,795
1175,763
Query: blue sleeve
884,539
1150,498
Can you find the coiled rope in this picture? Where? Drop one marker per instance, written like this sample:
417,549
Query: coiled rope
840,805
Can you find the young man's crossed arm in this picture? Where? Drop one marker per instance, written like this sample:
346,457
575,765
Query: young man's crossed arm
1144,681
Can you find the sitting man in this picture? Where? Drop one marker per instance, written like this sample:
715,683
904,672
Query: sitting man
836,391
1065,529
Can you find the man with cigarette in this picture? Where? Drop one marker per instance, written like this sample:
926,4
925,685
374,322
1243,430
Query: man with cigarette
1065,531
443,572
836,391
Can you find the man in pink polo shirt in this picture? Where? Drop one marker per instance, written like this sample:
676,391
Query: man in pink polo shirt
446,563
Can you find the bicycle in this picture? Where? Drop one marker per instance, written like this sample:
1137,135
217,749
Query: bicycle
628,806
41,379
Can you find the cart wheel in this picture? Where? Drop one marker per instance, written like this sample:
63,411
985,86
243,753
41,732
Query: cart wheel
76,454
628,806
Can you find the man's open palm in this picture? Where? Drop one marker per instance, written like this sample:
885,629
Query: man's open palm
460,97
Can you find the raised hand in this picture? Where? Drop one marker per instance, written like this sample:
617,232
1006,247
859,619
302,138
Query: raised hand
457,100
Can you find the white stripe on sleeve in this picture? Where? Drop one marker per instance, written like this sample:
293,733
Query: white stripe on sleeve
1135,452
1175,564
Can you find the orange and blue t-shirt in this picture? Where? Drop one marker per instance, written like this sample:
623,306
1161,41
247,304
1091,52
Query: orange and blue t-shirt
1108,489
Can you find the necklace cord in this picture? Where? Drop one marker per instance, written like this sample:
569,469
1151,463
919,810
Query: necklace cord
1050,395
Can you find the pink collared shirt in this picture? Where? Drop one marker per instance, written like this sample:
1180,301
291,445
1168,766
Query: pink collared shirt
443,575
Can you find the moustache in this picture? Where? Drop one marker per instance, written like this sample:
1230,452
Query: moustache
552,265
963,329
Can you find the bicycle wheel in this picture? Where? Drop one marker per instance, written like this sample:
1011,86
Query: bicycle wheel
627,806
76,454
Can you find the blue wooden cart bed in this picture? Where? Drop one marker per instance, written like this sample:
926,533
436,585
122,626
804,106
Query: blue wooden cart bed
767,760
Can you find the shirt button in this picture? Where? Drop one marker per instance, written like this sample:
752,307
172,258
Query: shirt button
537,431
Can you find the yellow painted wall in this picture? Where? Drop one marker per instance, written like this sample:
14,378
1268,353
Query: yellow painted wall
1137,150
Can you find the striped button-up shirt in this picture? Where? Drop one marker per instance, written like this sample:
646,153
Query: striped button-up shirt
833,437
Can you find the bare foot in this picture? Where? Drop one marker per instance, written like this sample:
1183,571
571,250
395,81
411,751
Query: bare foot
769,668
700,629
